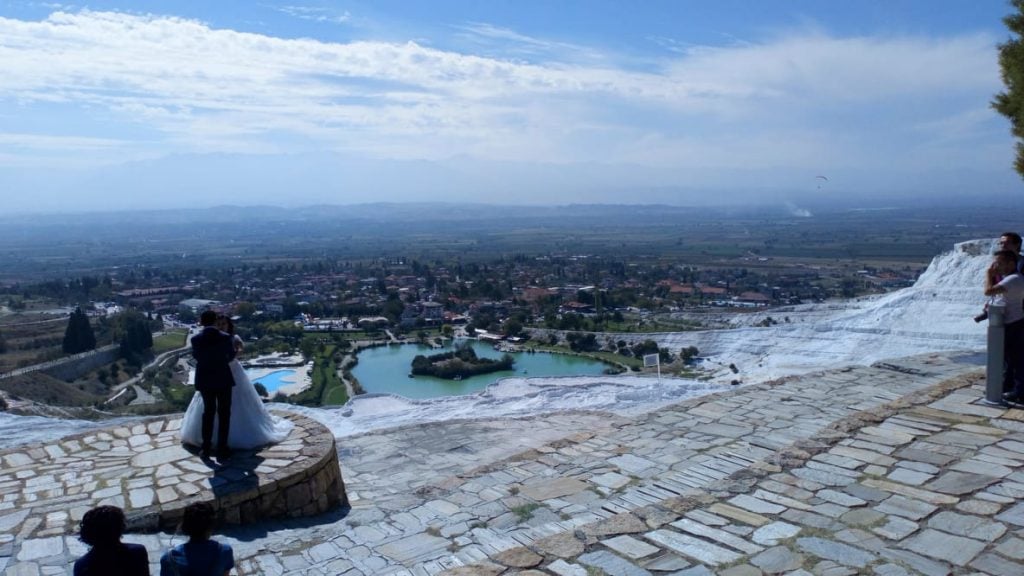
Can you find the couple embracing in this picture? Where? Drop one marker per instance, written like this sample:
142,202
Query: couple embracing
225,398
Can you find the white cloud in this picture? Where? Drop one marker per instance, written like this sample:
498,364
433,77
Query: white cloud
511,44
315,14
794,100
45,142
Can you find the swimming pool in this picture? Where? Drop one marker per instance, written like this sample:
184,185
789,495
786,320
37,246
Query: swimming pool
274,380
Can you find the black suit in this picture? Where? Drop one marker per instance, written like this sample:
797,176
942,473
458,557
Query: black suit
213,351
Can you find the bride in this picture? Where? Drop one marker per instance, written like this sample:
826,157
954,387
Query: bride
251,424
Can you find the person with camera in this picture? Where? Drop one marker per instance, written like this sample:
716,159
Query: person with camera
1007,241
1006,287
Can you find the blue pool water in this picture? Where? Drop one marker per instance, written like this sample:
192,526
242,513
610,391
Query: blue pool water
274,380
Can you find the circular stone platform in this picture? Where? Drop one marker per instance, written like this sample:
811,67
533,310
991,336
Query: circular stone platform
143,468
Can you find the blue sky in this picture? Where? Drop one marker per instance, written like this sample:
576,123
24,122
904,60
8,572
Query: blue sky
117,105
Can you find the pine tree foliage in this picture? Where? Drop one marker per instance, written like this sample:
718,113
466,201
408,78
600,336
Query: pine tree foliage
78,337
1010,103
136,335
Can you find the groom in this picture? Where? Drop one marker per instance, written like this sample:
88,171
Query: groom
213,351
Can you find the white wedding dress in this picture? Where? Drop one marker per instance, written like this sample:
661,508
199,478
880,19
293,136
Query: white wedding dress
251,424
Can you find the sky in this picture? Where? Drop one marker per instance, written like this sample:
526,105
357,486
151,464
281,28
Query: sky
116,105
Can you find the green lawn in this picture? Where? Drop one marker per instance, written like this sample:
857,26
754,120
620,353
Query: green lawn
178,394
327,387
169,341
326,371
336,396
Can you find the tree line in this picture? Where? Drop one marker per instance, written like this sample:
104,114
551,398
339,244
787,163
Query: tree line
460,363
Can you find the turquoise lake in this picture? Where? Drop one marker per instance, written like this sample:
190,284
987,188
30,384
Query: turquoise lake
385,369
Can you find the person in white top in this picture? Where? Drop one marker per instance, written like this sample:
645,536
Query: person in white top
1006,287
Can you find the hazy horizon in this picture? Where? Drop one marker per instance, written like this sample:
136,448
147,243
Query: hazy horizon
152,105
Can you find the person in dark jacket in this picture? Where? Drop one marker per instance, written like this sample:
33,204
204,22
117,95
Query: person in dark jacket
200,556
101,528
214,351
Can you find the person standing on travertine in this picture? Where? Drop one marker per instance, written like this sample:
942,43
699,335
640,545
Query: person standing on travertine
1011,241
252,425
214,351
1006,286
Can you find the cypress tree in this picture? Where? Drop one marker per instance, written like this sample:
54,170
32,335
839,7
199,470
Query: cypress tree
137,336
78,337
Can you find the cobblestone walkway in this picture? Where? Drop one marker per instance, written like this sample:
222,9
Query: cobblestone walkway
889,469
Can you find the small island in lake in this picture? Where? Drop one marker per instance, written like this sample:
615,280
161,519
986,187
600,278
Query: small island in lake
458,364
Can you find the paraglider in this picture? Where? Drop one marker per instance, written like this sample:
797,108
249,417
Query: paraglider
819,178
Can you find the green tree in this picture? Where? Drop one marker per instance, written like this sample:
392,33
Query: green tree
689,353
393,308
187,316
645,347
582,342
245,309
1010,103
513,327
78,336
136,336
308,347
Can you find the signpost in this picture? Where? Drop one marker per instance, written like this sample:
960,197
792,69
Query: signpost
653,360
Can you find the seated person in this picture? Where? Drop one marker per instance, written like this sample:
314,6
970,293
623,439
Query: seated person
200,556
101,528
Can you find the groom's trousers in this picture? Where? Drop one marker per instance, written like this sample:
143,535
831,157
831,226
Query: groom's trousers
216,403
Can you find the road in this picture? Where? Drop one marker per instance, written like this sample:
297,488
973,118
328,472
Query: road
141,395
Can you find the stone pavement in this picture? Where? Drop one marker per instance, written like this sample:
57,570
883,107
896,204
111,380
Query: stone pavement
143,468
890,469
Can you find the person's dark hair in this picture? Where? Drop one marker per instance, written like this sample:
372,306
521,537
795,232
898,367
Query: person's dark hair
227,323
102,526
1013,237
1007,255
208,318
198,521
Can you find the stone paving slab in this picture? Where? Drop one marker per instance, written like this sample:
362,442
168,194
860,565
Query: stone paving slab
142,467
803,476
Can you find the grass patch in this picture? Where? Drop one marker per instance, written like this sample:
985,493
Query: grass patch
602,355
525,512
327,387
336,396
48,390
169,341
178,394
